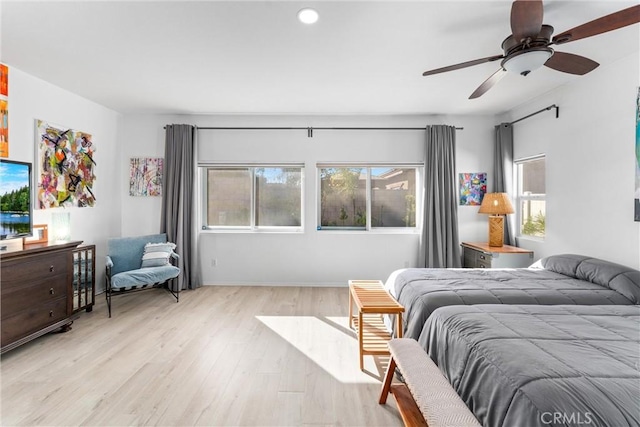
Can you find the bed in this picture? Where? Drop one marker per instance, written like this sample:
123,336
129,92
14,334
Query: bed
532,365
558,279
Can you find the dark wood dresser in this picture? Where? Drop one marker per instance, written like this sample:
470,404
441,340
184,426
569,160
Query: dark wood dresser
36,294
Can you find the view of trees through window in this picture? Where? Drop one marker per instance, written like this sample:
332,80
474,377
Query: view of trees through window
531,195
343,197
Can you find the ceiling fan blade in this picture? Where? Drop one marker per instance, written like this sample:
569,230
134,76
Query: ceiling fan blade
570,63
488,84
526,19
463,65
601,25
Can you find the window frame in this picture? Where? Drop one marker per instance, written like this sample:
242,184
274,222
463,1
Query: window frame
521,197
419,171
252,227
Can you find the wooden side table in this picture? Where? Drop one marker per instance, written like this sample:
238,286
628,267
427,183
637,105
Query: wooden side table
372,301
481,255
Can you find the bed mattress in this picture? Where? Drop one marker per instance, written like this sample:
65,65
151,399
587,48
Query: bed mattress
560,279
541,365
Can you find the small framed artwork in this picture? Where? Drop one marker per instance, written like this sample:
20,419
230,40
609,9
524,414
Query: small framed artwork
145,176
40,235
473,185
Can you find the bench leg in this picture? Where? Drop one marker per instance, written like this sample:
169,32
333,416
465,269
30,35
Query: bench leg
350,309
386,384
361,339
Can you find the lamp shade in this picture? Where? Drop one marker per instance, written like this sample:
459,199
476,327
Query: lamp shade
496,204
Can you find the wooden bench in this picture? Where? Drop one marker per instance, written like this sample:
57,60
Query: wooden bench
372,301
426,398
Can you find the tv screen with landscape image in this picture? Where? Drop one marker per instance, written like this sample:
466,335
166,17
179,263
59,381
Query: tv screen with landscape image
16,215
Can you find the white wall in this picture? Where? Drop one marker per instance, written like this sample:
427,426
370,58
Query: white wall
590,163
31,98
311,257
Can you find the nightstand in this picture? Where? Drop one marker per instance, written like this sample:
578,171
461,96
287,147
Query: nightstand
481,255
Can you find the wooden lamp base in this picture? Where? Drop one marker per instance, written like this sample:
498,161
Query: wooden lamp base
496,230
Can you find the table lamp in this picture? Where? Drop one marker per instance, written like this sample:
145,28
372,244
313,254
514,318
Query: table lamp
497,205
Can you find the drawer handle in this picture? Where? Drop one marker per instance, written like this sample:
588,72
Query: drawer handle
51,313
51,291
51,268
483,266
482,257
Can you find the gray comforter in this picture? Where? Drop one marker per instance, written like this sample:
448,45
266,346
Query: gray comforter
558,279
541,365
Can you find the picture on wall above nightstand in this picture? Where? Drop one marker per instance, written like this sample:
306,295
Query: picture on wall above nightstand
472,185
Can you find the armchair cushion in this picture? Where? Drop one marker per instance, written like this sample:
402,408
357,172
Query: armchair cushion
143,277
157,254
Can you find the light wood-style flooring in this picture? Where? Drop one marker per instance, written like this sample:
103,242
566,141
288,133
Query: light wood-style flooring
223,355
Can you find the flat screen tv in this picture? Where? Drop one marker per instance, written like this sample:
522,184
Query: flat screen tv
16,214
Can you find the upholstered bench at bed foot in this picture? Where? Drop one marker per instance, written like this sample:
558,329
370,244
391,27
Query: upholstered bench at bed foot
427,398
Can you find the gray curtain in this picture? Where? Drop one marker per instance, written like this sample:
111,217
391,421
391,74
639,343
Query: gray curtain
440,247
503,174
178,213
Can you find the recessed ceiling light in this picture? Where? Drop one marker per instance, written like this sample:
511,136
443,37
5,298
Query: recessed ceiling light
308,15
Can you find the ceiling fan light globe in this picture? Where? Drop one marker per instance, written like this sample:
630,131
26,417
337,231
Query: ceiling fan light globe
308,16
527,61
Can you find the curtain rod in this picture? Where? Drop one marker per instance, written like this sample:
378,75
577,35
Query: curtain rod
538,112
311,129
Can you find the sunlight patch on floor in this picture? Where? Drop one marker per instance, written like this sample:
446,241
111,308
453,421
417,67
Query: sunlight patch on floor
328,342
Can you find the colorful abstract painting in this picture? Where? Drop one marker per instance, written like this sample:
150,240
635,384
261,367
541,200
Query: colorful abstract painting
473,185
637,196
145,177
66,167
4,111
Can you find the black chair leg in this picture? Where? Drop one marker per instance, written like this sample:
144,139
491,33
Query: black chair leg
107,294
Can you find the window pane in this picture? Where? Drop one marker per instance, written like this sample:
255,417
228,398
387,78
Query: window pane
229,197
532,173
343,201
532,205
533,218
278,196
393,197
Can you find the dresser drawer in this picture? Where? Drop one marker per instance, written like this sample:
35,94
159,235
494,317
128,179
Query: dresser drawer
33,319
19,273
473,258
20,298
483,260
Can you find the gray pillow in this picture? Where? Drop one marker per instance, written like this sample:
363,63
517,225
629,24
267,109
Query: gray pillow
622,279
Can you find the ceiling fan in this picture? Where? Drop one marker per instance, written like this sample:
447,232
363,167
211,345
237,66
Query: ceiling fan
529,47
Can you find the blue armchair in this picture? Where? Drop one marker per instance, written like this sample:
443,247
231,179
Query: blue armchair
137,263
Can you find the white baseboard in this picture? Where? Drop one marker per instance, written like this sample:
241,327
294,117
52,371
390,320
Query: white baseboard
284,284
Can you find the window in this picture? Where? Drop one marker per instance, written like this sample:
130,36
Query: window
365,197
531,211
253,197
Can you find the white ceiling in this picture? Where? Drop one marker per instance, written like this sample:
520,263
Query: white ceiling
361,57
